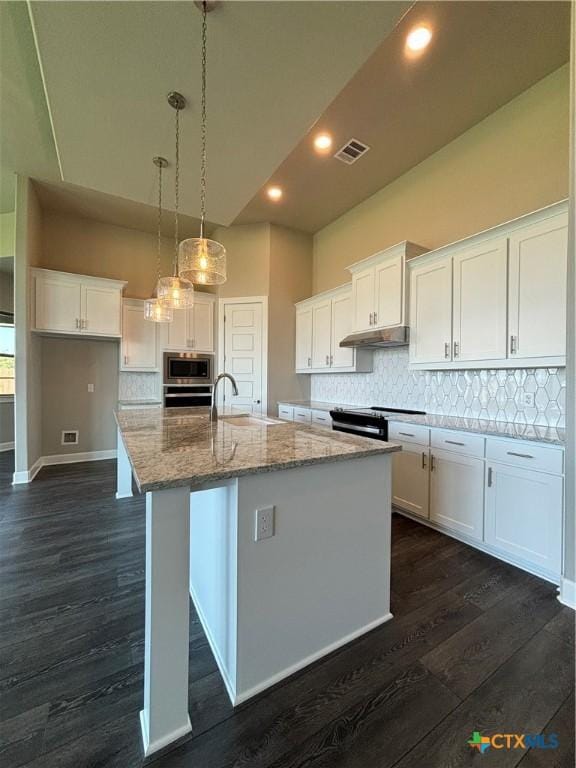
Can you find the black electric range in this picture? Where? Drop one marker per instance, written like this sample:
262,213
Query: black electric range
368,422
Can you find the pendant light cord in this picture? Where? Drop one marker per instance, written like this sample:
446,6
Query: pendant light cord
203,125
176,191
159,220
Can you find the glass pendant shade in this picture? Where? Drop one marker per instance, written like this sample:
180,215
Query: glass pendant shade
175,292
157,312
202,261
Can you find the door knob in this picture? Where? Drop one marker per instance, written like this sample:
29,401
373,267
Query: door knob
257,402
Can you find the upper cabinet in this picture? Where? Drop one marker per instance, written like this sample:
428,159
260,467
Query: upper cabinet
76,305
379,288
192,330
497,299
321,323
139,348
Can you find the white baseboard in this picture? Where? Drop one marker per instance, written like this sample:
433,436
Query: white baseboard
6,447
567,593
151,747
274,679
19,478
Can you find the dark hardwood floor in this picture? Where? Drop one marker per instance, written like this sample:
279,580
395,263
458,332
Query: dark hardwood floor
475,644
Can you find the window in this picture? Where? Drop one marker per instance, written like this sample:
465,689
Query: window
6,360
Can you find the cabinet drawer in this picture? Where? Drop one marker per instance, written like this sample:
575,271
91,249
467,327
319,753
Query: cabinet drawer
459,442
408,433
322,418
303,415
521,453
286,412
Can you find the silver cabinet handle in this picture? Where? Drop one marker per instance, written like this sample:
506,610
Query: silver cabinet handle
375,317
424,465
513,345
327,359
489,477
85,324
331,359
125,359
370,318
192,343
456,349
406,434
447,350
309,362
432,463
520,455
77,323
454,442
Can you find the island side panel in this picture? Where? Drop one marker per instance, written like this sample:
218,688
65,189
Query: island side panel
323,578
213,564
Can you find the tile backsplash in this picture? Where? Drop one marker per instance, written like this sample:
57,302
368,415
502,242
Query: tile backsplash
485,394
139,386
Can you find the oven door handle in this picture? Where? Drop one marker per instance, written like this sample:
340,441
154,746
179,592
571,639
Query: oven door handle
188,394
356,428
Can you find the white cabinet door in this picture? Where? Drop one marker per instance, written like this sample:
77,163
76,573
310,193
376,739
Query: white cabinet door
457,492
321,334
139,339
58,305
363,299
303,339
479,315
342,357
177,334
202,331
537,289
411,479
101,310
389,294
524,515
431,312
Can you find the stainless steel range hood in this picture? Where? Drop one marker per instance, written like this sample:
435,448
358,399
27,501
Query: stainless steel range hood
398,336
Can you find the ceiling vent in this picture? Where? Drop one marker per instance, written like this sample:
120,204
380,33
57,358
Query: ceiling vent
351,151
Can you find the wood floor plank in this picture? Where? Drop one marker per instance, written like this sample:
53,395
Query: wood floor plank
562,724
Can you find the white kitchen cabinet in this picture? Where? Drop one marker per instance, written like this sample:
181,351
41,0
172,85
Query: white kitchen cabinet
78,305
322,321
410,478
524,515
192,329
285,412
431,312
379,288
457,492
479,313
537,289
139,347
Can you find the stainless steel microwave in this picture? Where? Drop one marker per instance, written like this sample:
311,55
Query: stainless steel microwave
186,368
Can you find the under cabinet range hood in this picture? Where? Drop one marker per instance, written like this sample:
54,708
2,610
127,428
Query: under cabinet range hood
396,336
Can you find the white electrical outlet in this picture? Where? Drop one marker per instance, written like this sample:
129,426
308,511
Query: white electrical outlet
264,523
90,387
528,399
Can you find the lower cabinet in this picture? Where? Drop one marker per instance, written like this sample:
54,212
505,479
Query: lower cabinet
524,514
457,492
410,480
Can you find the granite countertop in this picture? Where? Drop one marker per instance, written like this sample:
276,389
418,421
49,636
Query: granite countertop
176,447
534,432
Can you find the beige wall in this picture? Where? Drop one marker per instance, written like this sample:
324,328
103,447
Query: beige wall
514,161
248,259
7,229
68,366
6,292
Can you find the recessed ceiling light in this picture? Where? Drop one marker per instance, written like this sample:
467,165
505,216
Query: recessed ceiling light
419,38
323,142
274,193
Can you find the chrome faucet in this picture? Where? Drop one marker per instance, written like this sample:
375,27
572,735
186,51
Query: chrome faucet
213,409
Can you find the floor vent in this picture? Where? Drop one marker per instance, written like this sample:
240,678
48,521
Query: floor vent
351,151
70,437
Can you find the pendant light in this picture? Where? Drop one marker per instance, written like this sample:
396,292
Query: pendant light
176,292
154,309
201,260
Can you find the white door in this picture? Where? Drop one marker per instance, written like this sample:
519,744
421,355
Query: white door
389,293
537,289
431,312
479,316
457,492
202,331
139,339
303,339
321,334
342,357
177,332
411,479
101,310
58,306
524,515
243,356
363,299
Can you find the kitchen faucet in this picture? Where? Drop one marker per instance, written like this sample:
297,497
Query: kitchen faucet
213,409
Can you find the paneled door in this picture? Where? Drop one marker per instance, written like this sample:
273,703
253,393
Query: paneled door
243,356
411,479
431,312
388,278
342,357
303,338
479,319
57,304
363,299
457,492
321,333
177,331
203,324
101,310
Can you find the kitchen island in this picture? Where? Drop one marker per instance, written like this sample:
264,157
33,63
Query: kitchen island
279,531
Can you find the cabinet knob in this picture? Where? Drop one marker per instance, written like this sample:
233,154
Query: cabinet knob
447,350
513,345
